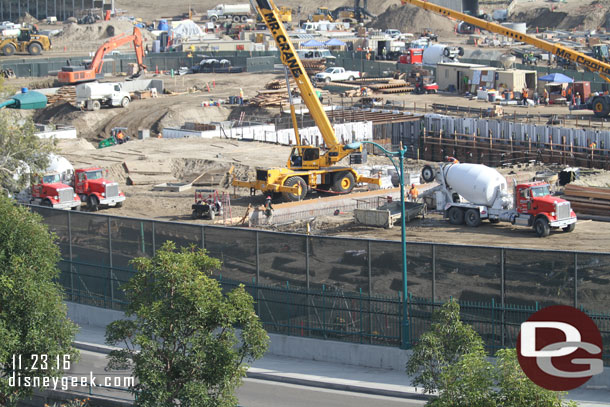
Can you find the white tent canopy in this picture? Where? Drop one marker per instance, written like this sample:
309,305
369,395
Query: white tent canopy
186,29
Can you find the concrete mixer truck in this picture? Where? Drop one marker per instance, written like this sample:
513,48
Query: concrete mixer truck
470,193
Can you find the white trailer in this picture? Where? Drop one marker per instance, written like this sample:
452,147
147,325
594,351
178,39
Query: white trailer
235,12
91,96
470,193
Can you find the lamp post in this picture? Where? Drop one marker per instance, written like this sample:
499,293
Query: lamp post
405,343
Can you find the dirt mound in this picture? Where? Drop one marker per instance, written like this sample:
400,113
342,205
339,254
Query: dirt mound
413,19
76,36
587,17
48,114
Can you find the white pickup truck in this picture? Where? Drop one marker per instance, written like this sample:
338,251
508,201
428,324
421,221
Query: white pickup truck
336,74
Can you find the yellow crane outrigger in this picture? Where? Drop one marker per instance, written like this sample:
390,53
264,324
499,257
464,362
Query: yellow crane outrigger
600,104
308,167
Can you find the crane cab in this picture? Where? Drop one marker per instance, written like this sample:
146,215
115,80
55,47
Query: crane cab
304,157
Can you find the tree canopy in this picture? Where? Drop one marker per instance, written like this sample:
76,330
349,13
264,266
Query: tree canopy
450,360
23,153
33,319
181,338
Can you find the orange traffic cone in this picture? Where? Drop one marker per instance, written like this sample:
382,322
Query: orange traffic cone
156,69
213,83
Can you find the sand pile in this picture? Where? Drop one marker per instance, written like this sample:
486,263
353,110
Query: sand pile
91,36
412,19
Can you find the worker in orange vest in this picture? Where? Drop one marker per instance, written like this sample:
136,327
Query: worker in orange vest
413,193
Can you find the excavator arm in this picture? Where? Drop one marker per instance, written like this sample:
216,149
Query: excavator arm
98,60
594,65
272,18
77,74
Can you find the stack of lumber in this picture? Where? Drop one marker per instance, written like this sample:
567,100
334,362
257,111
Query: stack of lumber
313,66
588,200
279,84
63,94
265,98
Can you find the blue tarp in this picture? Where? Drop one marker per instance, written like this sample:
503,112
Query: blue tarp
556,77
312,43
334,43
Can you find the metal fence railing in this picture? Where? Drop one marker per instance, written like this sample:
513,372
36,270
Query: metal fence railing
340,287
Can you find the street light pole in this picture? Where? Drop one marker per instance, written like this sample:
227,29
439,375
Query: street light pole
405,331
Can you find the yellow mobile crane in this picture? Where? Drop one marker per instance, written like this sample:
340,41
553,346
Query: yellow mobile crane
599,104
308,167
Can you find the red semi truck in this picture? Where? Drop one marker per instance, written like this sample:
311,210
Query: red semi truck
51,191
95,190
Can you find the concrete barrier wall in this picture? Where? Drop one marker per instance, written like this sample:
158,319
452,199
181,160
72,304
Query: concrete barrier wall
366,356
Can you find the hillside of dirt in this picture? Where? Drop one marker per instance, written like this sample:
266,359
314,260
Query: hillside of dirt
409,18
572,15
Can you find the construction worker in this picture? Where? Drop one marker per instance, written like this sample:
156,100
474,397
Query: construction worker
569,95
120,137
268,207
241,96
577,99
413,193
524,96
545,97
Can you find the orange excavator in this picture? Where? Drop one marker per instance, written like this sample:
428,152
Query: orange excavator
92,71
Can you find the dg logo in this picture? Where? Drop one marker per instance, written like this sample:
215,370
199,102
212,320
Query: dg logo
560,348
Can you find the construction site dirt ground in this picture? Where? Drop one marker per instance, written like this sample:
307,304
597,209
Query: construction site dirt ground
156,161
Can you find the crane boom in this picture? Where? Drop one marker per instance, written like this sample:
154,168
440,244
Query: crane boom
602,68
289,57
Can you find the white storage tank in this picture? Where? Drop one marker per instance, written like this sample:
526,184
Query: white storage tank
477,183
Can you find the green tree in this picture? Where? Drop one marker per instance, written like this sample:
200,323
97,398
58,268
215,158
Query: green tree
181,339
450,359
33,317
23,154
447,340
516,389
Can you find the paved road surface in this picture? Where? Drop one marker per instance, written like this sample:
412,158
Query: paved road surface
264,393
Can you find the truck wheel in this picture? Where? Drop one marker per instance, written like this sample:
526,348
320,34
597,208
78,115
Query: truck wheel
8,49
542,228
289,196
93,203
351,78
569,228
327,80
47,202
35,49
472,218
427,173
125,102
96,105
601,107
214,19
244,19
343,182
455,215
236,19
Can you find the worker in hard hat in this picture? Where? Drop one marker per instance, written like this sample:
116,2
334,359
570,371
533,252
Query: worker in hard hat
268,208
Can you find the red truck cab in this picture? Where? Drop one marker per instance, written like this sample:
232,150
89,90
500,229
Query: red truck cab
534,202
412,56
51,191
95,190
